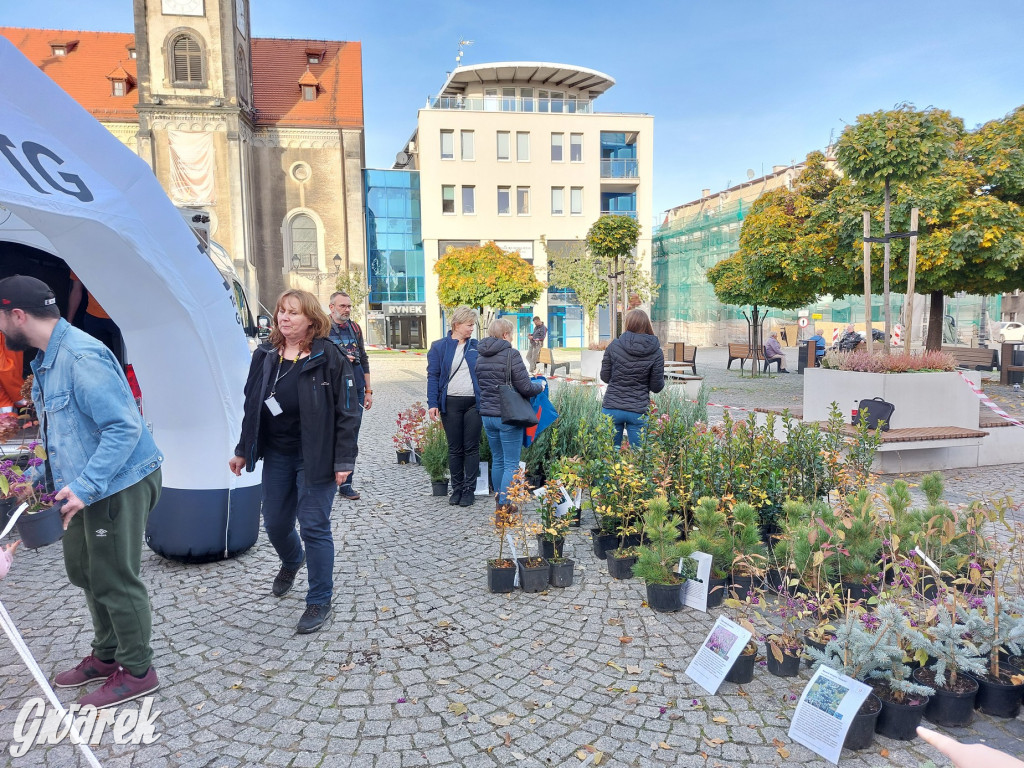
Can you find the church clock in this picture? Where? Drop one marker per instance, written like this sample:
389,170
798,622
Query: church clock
183,7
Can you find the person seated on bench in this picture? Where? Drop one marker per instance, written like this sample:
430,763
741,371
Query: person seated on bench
849,340
773,353
819,346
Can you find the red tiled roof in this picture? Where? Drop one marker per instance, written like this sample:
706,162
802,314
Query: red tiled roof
277,66
83,71
308,78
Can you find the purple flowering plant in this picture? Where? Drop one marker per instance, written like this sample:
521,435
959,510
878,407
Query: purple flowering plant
16,480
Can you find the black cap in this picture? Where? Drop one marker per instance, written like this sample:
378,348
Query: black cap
24,292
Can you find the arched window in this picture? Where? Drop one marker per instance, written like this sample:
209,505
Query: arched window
304,242
187,60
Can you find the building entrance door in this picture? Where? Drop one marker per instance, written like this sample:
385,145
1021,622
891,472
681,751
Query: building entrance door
407,332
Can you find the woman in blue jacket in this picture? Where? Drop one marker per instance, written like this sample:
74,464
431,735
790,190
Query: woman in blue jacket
452,394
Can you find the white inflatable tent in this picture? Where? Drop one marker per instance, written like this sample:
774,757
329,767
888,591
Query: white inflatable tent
74,191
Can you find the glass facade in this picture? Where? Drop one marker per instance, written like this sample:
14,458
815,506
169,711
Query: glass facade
394,240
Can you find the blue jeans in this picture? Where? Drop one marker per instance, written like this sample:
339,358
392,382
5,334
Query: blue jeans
632,422
360,395
287,499
506,444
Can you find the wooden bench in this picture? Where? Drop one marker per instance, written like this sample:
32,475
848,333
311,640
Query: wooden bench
1006,356
546,358
912,438
742,353
681,352
974,358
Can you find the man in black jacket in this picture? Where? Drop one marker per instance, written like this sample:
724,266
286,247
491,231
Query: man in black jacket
347,334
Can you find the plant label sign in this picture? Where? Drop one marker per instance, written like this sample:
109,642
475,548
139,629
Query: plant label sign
717,654
695,591
561,510
481,481
515,557
825,712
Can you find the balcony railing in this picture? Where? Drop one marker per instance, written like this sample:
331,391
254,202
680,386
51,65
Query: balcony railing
620,168
510,104
631,214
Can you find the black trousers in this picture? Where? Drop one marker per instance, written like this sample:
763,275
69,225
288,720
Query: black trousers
462,427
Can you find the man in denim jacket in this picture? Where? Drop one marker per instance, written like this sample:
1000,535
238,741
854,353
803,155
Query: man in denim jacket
105,468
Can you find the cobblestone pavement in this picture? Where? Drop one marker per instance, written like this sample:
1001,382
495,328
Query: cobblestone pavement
421,665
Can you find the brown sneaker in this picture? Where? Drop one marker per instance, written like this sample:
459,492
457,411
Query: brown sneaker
89,670
120,687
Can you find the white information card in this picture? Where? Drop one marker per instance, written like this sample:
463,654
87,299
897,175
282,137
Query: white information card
695,591
825,711
717,654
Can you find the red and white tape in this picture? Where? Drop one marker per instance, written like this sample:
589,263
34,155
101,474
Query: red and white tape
988,403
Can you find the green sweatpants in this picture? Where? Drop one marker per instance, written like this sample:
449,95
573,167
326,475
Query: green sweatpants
103,556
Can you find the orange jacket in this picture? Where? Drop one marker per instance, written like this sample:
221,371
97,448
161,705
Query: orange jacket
10,375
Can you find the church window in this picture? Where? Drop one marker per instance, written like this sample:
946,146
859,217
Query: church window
119,87
304,241
187,60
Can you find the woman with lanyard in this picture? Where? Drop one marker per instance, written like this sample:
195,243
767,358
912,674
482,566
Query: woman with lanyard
300,417
452,394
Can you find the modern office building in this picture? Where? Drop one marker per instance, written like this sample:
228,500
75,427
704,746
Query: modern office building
519,153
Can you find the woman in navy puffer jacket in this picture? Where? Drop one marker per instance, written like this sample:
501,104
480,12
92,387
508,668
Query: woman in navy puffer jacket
633,367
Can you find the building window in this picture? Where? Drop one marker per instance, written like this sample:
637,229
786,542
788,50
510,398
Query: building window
558,201
504,145
59,50
543,100
508,99
557,100
469,200
523,201
312,58
132,53
309,93
575,147
523,146
119,87
468,145
187,60
504,208
448,198
527,99
447,145
576,201
304,241
557,145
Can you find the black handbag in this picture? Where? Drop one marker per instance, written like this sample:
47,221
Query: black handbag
515,409
875,410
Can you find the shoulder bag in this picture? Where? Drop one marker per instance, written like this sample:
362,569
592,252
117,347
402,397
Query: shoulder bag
515,409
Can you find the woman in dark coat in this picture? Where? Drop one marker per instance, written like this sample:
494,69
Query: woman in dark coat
633,366
452,395
301,418
497,358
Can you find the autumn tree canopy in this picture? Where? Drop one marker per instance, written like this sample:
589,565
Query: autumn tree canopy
486,276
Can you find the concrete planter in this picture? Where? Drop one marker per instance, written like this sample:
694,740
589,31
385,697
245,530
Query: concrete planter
590,363
921,399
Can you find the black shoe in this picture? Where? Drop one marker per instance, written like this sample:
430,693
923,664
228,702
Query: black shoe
468,497
348,492
456,497
285,578
313,618
784,370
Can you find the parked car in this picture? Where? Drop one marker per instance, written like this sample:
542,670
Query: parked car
1011,332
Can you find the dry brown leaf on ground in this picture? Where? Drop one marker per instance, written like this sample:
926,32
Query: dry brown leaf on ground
664,745
633,669
508,738
457,708
625,639
713,742
720,719
613,665
346,667
884,753
502,719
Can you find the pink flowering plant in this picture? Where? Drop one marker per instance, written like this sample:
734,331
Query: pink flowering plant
930,361
412,428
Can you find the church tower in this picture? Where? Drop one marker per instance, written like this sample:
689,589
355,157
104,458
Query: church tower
195,112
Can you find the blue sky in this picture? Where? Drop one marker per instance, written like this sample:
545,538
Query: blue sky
733,85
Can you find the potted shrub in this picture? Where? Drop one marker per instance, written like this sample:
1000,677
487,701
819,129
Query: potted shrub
657,558
784,646
711,536
551,539
948,642
534,571
408,436
40,523
995,623
435,457
861,538
501,571
748,558
742,670
624,504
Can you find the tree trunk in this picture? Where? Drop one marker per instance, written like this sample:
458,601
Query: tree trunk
885,273
937,304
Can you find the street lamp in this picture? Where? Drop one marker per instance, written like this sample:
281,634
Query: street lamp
319,276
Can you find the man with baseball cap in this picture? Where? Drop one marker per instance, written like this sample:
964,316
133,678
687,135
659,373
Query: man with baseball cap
103,464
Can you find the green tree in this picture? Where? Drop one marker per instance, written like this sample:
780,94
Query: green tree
354,284
609,239
899,145
486,276
576,269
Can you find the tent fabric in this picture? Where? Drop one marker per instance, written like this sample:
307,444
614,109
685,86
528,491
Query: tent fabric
105,214
192,167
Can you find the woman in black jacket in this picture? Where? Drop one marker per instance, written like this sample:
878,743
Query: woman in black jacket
301,418
633,366
496,362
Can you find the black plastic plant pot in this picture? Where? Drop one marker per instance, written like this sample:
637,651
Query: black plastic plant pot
809,643
862,727
603,542
501,579
999,698
949,708
439,488
716,591
533,578
549,549
899,720
788,667
742,670
575,517
620,567
855,591
665,598
7,506
740,586
404,457
562,573
41,528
